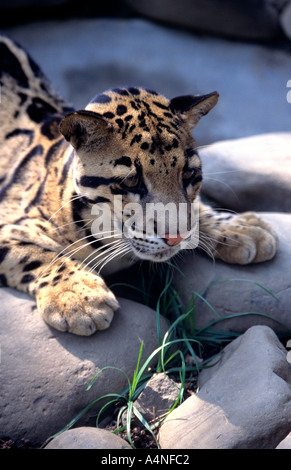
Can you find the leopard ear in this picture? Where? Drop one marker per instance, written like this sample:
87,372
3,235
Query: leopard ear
85,129
193,107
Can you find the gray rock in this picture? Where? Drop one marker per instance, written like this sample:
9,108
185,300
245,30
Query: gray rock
253,173
285,20
44,373
243,294
250,19
87,438
157,398
286,443
244,404
83,58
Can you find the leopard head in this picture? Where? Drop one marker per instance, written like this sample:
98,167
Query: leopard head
134,149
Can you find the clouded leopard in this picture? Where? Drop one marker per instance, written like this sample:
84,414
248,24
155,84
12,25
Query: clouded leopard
129,144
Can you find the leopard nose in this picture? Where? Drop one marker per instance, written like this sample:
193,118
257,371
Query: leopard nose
173,240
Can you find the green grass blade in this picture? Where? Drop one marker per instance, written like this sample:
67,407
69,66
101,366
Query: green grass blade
102,370
144,423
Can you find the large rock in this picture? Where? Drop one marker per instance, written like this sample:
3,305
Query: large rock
87,438
243,294
44,373
285,20
85,57
253,173
251,19
156,399
244,402
286,443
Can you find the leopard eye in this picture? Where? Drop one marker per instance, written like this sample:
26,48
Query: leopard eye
130,182
188,175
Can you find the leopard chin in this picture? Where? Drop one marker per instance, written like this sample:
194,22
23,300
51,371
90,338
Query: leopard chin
153,250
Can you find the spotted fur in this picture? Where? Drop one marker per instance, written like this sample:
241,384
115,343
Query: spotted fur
57,164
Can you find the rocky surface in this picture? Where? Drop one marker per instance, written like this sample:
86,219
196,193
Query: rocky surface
251,19
85,57
253,173
244,290
286,443
285,19
44,373
87,438
156,399
244,401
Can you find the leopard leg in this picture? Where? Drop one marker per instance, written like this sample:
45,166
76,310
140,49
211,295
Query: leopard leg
237,238
69,297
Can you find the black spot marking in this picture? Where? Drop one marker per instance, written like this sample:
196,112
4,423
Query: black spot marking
27,278
160,105
31,266
11,66
108,115
3,252
174,161
39,110
50,128
123,161
136,138
36,151
196,180
97,200
17,132
119,191
52,152
57,278
43,284
134,91
144,146
101,199
152,161
3,280
93,181
103,98
190,153
134,105
61,269
77,207
132,127
66,169
120,91
121,109
119,122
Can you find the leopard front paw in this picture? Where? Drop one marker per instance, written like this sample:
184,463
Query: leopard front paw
80,306
248,238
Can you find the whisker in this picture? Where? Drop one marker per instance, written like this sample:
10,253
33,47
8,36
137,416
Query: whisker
104,252
222,172
225,184
71,223
70,253
121,253
68,202
103,249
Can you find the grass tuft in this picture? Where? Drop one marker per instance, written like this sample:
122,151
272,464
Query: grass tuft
181,341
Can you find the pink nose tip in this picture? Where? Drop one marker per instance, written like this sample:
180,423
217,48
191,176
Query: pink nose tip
173,240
